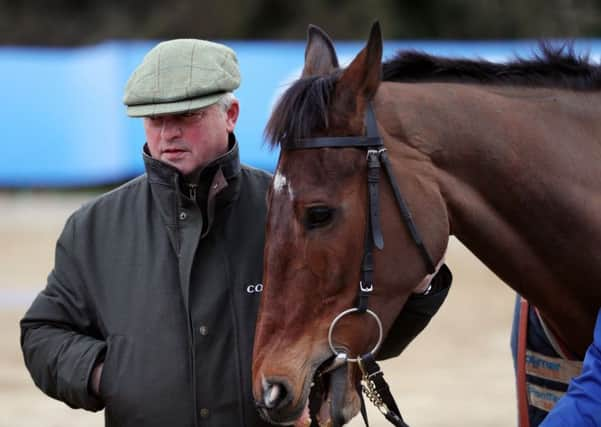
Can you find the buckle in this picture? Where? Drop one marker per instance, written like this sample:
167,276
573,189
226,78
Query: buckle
366,288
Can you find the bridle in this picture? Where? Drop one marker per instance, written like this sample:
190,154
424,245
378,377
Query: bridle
374,385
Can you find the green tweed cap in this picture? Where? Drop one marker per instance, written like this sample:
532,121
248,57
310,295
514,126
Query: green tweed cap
181,75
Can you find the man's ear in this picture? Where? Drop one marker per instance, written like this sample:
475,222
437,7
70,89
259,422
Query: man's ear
232,114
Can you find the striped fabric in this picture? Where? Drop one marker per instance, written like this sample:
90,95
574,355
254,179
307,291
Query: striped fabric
543,370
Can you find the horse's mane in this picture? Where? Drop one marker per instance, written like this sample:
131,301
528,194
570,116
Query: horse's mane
303,107
552,66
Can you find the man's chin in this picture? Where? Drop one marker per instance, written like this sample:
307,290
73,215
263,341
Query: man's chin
181,164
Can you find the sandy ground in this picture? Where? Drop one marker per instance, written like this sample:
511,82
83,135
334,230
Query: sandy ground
458,372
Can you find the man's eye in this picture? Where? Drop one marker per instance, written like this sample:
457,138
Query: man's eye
318,216
193,115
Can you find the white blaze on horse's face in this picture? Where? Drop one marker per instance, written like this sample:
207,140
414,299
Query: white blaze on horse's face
281,184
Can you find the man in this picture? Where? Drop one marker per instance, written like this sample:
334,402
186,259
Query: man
150,309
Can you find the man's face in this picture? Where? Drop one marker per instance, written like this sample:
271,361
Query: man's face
190,140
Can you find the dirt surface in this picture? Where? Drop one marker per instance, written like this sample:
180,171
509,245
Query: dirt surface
458,372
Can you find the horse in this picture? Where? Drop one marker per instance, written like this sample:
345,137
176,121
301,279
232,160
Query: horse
504,156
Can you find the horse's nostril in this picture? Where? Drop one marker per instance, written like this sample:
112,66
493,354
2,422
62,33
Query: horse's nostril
274,394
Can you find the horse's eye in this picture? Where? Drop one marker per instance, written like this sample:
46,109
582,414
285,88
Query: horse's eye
318,216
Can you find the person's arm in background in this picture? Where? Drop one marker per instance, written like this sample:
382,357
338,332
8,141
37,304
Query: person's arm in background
59,342
581,405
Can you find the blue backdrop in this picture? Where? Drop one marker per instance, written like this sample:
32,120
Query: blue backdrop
63,122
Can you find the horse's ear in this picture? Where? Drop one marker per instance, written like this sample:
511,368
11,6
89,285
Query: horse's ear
364,74
320,55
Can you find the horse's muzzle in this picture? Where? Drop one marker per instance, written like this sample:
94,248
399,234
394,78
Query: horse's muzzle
274,405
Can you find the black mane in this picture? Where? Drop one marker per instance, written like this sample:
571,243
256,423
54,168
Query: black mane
303,107
558,67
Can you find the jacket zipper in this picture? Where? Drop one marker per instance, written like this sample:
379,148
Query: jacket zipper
192,191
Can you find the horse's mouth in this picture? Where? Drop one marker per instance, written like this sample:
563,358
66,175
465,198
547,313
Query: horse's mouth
327,398
328,394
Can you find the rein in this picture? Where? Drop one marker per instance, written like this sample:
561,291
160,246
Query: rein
373,384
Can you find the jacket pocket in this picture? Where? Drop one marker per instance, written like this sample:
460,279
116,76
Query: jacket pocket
112,371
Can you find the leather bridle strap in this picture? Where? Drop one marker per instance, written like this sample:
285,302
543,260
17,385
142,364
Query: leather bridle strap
406,213
373,233
333,142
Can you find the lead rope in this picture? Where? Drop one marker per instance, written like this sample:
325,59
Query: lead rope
377,391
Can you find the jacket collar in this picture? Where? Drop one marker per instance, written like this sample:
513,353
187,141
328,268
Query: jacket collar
218,182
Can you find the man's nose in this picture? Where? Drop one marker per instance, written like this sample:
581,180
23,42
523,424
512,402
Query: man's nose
171,129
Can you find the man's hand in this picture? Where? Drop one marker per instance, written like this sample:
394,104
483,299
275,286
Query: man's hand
95,379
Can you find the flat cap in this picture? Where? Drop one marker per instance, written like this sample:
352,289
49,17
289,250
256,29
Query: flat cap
181,75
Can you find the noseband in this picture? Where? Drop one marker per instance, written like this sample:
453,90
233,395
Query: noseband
374,385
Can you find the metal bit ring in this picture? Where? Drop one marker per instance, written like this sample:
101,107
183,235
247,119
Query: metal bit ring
349,311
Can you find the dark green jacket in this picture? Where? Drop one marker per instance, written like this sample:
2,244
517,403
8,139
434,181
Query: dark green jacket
162,290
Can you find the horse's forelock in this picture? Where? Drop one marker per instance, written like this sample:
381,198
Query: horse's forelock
301,110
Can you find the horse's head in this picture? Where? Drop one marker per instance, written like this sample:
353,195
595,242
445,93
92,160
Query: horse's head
316,233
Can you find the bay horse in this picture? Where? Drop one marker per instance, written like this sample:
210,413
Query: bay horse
506,157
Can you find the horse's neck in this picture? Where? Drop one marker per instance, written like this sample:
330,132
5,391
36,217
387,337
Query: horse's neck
521,178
